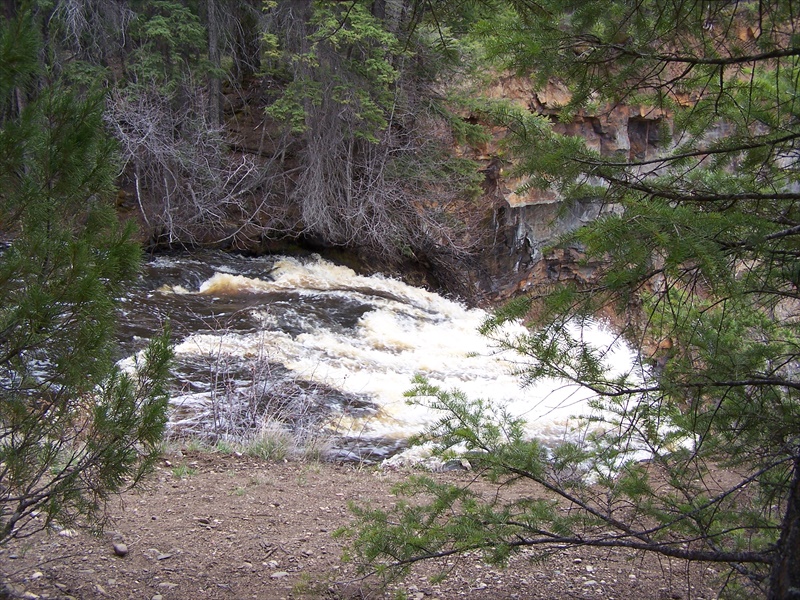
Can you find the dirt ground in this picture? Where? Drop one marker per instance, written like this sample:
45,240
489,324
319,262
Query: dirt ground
211,525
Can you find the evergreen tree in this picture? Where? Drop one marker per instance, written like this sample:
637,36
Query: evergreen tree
701,257
356,92
74,428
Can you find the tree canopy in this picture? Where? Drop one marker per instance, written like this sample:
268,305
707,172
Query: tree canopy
699,248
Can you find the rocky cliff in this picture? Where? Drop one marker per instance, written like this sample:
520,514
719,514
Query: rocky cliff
525,223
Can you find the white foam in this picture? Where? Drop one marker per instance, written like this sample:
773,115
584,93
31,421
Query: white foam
406,331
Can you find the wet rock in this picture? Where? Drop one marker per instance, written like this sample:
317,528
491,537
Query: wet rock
461,464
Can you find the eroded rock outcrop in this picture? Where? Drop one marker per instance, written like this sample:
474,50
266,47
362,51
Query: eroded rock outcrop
526,221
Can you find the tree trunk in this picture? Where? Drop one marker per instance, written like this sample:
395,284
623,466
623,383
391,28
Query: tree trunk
247,49
214,86
379,9
784,583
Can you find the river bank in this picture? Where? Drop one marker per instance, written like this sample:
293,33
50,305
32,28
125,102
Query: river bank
222,526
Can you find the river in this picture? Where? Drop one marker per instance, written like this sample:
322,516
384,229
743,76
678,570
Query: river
312,349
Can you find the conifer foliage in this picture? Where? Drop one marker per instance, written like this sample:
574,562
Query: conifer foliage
695,454
74,428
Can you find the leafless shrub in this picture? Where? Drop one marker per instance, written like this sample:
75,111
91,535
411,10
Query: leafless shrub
187,185
93,30
252,403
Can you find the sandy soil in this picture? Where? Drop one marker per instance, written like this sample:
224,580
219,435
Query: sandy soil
211,525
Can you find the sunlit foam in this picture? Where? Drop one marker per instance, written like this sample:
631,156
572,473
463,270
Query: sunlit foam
226,283
173,289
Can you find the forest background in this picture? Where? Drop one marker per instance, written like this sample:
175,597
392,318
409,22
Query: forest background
363,112
245,125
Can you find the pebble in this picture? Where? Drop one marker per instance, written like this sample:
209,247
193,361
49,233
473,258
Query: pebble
279,575
120,549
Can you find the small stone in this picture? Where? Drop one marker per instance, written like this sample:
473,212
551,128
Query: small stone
164,556
167,585
30,596
120,549
589,569
157,597
455,465
589,583
37,575
279,575
578,561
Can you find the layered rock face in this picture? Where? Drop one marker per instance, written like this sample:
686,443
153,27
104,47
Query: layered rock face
526,223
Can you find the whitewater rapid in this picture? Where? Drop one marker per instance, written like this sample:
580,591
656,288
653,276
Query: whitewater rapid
365,336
